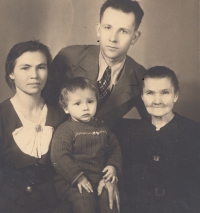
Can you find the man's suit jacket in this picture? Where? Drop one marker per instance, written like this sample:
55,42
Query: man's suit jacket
83,61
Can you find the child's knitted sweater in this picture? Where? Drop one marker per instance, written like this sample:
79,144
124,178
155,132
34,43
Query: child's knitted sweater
84,148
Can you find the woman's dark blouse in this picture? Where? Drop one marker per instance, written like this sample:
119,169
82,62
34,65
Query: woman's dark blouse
165,166
12,159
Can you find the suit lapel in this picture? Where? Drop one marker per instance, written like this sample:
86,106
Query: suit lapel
126,87
88,66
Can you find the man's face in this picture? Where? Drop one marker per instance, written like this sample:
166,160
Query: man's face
116,32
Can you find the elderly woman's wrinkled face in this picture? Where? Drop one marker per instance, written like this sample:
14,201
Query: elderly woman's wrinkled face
30,72
159,96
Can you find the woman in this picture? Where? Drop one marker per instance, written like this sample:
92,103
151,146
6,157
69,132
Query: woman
26,127
164,173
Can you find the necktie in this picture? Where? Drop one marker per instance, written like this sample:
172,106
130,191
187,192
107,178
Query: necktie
104,82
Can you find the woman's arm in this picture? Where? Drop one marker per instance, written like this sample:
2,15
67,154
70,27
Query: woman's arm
113,193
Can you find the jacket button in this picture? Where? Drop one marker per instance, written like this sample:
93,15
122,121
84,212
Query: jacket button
29,189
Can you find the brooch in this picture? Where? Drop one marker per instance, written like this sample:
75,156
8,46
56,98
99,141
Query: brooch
38,128
156,158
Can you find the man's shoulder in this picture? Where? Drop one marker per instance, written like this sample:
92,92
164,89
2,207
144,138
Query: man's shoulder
75,50
131,64
134,64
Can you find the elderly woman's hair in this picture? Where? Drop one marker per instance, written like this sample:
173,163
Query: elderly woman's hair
72,85
162,72
17,50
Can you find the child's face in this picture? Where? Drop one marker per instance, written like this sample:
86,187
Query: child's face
82,105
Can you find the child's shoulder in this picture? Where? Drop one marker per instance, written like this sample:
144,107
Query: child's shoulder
65,130
66,125
74,126
99,124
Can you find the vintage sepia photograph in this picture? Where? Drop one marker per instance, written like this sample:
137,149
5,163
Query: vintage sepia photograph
99,106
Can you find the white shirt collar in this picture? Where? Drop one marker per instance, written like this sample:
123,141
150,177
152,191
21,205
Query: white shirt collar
115,70
33,139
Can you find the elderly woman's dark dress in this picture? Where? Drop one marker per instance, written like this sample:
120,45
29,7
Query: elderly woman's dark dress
164,174
26,182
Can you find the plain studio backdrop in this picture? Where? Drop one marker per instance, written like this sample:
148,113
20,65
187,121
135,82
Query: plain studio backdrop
170,37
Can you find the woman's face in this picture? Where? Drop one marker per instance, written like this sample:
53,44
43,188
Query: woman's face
30,72
159,96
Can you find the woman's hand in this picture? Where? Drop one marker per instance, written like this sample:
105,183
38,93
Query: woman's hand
83,182
111,174
113,193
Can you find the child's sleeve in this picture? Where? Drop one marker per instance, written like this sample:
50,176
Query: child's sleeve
113,153
62,154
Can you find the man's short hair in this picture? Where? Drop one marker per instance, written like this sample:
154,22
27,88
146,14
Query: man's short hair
126,6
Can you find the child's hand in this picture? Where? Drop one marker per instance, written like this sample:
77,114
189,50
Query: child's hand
83,182
111,174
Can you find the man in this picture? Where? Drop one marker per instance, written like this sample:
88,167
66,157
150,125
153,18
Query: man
119,85
117,75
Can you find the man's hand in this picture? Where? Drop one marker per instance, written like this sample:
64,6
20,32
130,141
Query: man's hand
111,174
113,193
83,182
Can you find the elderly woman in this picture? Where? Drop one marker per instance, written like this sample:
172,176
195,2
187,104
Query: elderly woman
165,151
26,127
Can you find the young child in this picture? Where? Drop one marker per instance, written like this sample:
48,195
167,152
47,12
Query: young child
83,148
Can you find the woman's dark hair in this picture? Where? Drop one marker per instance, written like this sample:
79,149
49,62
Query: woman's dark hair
17,50
126,6
162,72
72,85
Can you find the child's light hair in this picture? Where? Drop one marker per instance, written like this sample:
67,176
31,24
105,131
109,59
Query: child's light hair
72,85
